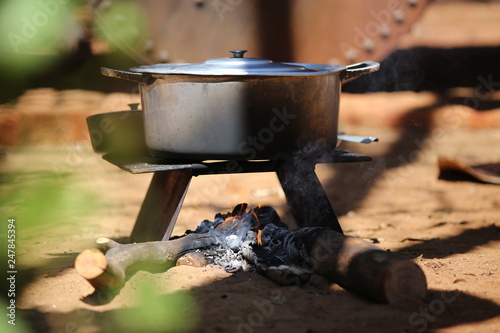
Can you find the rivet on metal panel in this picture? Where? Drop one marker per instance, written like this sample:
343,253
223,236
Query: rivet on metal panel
134,106
198,3
148,45
163,56
103,4
385,30
333,61
351,55
413,3
368,44
399,15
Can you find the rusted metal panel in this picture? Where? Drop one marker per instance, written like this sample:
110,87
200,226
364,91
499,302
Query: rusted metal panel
343,32
319,31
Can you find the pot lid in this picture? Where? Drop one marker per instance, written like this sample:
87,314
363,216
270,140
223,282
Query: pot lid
239,65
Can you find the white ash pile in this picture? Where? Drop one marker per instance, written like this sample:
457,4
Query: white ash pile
235,235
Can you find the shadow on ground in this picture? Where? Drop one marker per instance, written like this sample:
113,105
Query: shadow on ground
282,309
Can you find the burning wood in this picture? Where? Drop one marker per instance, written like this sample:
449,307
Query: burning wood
353,263
258,240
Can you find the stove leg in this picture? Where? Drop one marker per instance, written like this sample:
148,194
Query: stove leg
306,197
161,206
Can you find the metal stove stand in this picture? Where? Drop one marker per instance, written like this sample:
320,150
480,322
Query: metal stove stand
305,194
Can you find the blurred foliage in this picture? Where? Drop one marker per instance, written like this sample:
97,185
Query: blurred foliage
122,25
176,312
32,34
46,43
44,198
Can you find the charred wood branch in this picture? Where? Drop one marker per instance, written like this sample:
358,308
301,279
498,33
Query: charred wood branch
109,271
353,263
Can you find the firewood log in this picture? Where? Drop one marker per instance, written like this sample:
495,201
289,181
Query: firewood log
109,271
353,263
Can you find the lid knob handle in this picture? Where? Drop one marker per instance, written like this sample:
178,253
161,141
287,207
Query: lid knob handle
134,106
238,53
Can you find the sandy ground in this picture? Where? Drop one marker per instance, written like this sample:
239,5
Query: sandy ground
65,198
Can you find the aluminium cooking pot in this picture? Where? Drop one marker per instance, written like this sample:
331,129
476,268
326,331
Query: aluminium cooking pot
239,108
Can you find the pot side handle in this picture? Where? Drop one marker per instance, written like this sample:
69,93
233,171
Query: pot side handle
131,76
361,68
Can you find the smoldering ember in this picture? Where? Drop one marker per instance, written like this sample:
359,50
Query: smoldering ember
257,239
